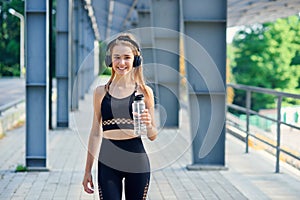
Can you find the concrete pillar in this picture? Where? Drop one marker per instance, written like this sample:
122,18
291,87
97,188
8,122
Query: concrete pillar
96,58
37,64
167,61
51,67
90,57
91,65
85,52
81,50
62,62
205,53
75,54
145,32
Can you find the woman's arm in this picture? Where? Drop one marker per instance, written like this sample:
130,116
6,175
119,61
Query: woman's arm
93,143
148,115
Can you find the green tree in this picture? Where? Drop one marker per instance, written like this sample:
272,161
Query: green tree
263,57
10,38
103,69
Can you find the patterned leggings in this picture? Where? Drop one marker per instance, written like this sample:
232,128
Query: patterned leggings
123,159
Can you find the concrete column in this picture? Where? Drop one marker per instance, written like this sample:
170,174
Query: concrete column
51,67
37,65
96,58
81,49
75,55
145,32
91,75
205,51
90,58
167,61
62,65
85,54
83,68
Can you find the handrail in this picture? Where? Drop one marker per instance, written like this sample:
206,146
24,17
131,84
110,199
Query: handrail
279,95
263,90
11,104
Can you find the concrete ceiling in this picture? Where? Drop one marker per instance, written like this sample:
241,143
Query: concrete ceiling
113,16
246,12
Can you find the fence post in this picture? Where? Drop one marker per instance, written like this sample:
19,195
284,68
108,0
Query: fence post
279,100
248,107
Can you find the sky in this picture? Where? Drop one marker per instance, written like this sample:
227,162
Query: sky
230,33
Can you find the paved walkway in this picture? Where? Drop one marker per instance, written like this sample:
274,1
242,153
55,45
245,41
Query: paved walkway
12,89
249,176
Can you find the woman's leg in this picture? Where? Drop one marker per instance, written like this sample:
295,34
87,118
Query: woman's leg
109,183
137,185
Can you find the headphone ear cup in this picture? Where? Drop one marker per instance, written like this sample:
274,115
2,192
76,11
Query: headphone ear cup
137,61
108,61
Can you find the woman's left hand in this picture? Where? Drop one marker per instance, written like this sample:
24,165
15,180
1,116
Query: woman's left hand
146,118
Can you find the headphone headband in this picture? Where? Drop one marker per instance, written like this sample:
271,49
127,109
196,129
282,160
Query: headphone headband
124,38
137,58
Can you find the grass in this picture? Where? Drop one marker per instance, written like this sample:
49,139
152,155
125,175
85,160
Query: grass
21,168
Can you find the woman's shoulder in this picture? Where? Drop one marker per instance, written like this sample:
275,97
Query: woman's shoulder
100,91
149,97
149,90
146,90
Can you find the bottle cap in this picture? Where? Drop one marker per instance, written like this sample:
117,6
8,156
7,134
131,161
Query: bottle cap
139,97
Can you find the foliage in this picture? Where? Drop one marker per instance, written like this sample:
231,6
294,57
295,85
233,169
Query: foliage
12,70
103,68
229,79
21,168
10,38
267,55
107,71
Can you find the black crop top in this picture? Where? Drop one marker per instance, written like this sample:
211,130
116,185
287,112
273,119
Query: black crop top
117,112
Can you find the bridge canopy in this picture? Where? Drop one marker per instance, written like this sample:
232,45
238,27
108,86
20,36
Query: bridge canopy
113,16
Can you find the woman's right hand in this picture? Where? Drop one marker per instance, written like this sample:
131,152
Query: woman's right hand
88,183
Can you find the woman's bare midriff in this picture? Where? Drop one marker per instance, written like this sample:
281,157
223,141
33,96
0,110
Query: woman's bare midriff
119,134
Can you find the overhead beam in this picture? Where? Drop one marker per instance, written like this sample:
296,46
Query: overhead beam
110,17
129,13
93,20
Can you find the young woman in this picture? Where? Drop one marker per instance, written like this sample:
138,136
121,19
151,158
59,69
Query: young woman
122,154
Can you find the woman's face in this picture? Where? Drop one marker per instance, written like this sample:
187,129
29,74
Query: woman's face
122,59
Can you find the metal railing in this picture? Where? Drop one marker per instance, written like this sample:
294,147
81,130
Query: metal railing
278,96
9,105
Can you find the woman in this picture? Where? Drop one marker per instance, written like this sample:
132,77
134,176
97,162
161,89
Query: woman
122,154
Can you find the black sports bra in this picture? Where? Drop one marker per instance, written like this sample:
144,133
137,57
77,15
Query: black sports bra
117,112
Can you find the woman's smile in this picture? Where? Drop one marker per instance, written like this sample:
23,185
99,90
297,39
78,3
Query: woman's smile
122,68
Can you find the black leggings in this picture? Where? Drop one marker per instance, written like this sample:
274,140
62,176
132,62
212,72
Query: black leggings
123,159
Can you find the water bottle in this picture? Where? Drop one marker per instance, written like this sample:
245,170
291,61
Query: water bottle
138,106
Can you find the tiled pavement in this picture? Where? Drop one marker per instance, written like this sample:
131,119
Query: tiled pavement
249,176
